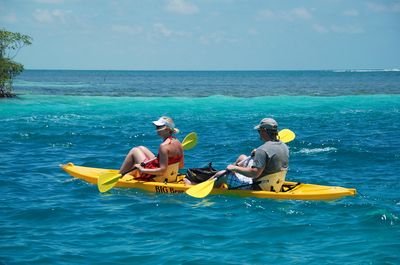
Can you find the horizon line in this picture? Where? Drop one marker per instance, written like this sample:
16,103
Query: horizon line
388,69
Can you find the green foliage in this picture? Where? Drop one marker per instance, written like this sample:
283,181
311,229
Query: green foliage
10,44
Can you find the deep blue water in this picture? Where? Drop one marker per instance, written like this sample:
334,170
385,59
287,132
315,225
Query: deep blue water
347,127
209,83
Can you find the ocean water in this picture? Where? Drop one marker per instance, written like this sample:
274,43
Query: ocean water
347,127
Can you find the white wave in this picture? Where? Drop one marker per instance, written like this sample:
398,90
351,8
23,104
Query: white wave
317,150
23,83
366,70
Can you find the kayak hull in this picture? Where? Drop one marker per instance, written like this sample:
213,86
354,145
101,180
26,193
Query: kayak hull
298,192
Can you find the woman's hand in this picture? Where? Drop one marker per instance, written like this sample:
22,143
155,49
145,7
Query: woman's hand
139,167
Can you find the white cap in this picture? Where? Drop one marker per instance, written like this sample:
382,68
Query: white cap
166,121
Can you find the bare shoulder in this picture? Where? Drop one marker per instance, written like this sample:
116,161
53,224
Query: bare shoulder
163,147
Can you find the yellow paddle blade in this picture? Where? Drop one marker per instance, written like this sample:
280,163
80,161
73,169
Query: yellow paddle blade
107,181
201,190
286,135
189,141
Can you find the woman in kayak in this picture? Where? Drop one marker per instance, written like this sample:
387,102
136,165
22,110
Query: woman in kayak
169,152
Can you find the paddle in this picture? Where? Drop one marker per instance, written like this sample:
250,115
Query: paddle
108,180
201,190
286,135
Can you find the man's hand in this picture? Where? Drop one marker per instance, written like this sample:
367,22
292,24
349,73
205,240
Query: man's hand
231,168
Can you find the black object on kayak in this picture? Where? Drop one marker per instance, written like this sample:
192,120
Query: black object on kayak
198,175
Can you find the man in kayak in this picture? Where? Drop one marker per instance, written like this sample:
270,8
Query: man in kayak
169,152
255,172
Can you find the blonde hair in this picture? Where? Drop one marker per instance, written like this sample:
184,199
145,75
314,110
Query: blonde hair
172,123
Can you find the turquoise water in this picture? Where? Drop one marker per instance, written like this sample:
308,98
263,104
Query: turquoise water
348,140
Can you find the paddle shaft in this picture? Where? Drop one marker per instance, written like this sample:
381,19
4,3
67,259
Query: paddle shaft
239,164
142,164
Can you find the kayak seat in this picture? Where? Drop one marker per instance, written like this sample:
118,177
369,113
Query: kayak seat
170,175
272,182
288,187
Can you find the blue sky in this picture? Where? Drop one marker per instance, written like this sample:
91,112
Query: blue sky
206,35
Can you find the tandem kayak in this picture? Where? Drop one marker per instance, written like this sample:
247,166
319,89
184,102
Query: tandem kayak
291,190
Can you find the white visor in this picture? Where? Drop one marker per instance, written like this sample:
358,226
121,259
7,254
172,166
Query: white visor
163,122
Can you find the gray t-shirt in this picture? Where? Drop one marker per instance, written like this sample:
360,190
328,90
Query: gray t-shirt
274,155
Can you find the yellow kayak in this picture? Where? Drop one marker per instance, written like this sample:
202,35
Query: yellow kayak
291,190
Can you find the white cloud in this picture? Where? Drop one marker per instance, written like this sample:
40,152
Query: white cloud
43,16
347,29
396,7
50,16
350,13
266,13
301,13
181,7
211,38
49,1
162,30
216,38
253,32
319,28
382,8
132,30
376,7
9,19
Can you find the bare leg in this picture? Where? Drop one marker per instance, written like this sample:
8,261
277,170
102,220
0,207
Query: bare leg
135,156
146,151
221,178
188,182
240,159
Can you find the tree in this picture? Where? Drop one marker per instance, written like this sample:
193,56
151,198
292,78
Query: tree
10,44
